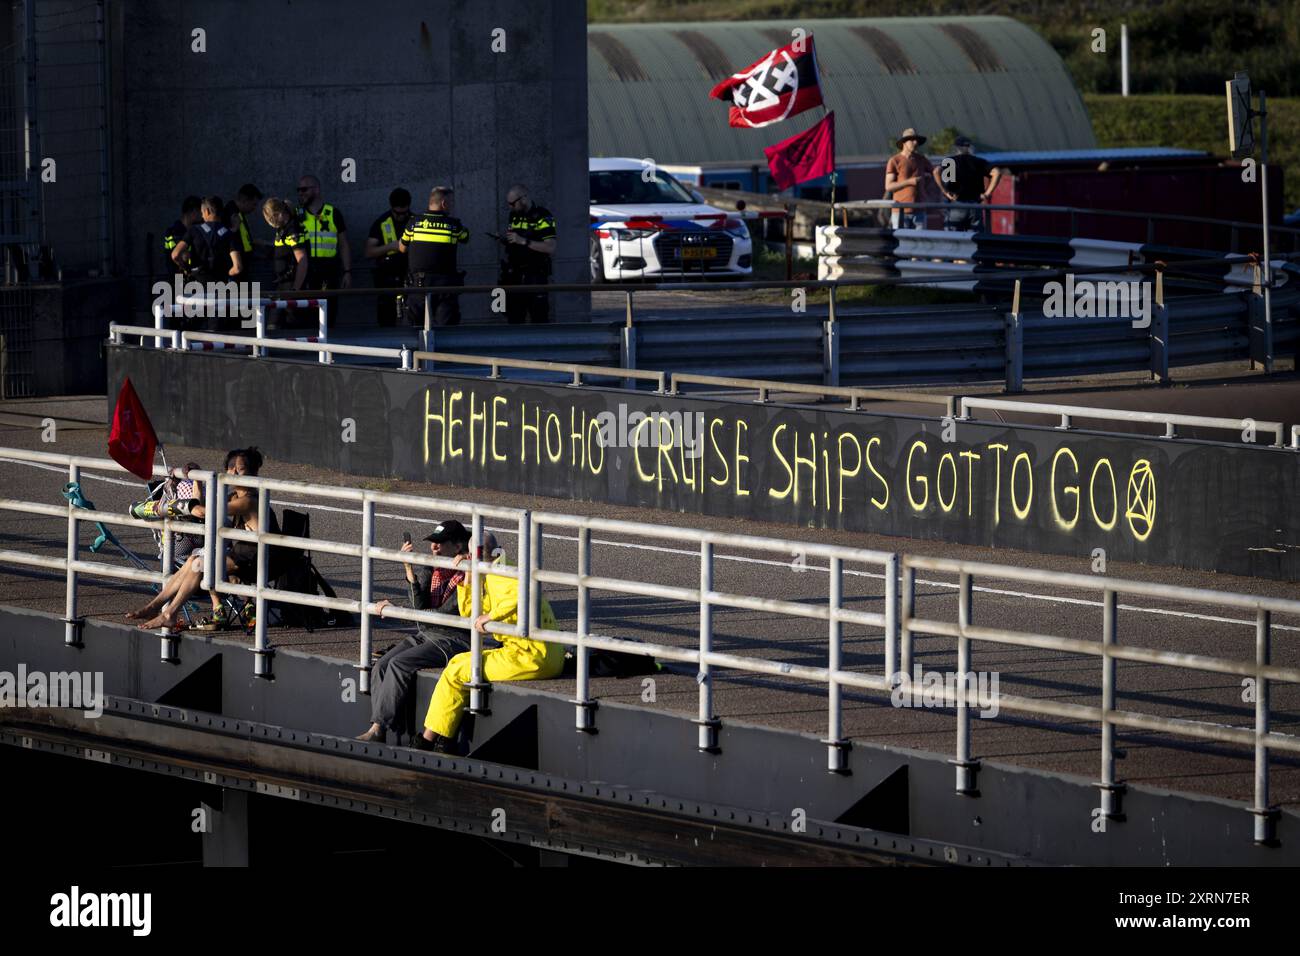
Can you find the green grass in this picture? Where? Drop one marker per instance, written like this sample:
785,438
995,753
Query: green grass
1196,122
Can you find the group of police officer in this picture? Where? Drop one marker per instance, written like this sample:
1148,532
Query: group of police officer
211,242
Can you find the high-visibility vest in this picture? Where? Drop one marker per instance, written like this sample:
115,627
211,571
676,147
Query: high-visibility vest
245,240
389,231
322,237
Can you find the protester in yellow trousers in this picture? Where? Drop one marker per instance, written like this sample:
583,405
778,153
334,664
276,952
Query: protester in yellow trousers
517,658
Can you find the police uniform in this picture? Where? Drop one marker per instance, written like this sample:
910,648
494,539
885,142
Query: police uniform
288,237
209,245
322,229
524,266
171,238
237,223
390,271
431,240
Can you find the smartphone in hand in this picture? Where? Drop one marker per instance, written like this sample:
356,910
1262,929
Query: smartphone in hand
406,537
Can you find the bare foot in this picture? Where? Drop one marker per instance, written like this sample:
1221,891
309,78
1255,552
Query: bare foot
161,621
375,733
139,615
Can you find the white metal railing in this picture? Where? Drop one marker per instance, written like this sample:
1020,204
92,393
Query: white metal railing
897,619
259,306
1108,715
833,614
1068,413
406,358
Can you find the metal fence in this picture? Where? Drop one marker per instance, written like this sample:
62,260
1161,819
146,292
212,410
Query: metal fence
898,620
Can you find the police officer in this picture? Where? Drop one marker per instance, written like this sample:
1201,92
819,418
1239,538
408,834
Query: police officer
430,241
530,248
390,266
211,253
292,255
191,213
327,234
235,217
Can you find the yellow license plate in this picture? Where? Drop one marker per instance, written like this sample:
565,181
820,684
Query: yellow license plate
700,253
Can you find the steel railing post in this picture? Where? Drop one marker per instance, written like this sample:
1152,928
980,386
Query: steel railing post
583,705
836,745
1265,816
323,331
1158,334
367,584
1111,791
706,722
905,625
158,324
534,566
259,328
477,687
523,619
210,543
891,614
966,767
1015,351
261,653
831,350
71,623
426,343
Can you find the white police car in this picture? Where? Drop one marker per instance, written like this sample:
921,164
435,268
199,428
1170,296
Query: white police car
645,224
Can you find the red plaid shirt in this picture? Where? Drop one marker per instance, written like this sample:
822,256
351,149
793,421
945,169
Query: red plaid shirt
442,584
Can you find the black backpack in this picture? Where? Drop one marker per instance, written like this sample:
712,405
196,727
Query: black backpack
293,570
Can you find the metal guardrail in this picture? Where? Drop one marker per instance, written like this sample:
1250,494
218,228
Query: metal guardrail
855,395
669,383
1068,413
1108,715
897,619
865,205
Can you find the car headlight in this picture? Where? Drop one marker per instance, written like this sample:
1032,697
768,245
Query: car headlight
736,228
633,233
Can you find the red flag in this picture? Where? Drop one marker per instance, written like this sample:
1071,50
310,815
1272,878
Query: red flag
782,84
132,441
807,155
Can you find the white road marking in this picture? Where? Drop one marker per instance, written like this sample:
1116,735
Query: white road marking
663,549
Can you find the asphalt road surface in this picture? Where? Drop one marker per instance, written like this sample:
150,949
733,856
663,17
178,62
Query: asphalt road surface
1149,758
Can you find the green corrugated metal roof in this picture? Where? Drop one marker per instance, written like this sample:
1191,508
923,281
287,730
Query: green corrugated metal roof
993,78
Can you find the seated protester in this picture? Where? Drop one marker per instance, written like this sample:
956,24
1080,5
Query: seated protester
518,658
432,646
240,557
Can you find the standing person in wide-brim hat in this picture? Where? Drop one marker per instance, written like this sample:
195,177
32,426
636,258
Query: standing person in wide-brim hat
905,173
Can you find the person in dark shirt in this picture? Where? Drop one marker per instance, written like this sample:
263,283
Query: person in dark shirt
433,645
191,212
382,243
430,241
292,256
209,248
235,216
961,179
530,248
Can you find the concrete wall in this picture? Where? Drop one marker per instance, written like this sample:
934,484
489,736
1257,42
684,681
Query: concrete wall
412,91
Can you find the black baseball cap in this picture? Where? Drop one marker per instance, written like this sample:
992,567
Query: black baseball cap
962,141
451,530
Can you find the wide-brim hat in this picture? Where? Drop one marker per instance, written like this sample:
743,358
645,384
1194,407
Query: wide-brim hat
910,133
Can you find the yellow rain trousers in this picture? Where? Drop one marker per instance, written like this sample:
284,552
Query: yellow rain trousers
517,659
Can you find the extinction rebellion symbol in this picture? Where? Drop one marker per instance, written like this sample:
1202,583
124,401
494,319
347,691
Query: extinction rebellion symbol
1141,507
775,77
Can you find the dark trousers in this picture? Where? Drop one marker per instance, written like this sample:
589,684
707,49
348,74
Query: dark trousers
394,673
387,312
445,308
963,220
523,306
